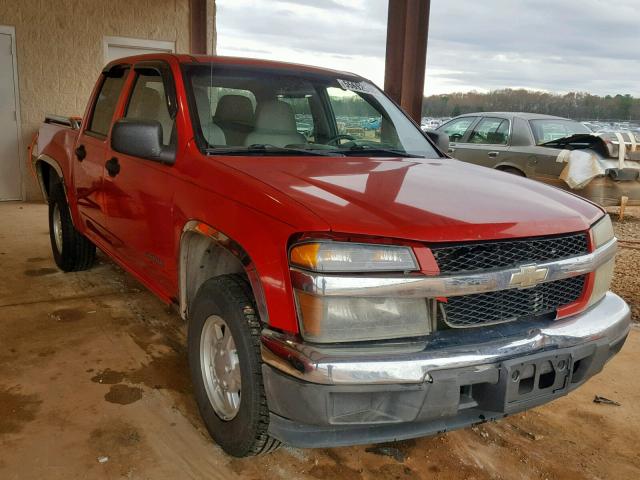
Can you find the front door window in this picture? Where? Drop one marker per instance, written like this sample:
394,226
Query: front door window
491,131
456,129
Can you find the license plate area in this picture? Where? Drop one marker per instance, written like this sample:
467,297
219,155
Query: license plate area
536,378
526,382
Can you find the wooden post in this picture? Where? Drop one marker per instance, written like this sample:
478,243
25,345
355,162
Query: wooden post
623,205
198,26
406,56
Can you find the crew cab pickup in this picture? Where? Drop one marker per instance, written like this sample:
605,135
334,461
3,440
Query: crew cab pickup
341,285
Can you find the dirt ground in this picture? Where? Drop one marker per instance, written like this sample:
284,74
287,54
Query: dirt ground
94,385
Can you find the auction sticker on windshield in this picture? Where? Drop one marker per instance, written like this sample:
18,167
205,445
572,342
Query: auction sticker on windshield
362,87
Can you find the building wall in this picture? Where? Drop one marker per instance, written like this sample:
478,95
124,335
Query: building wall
59,46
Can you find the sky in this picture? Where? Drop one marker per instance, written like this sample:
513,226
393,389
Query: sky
551,45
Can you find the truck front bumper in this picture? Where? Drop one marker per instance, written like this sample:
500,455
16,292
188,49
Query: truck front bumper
321,396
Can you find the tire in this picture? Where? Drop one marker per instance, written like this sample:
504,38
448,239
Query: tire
72,251
512,170
226,304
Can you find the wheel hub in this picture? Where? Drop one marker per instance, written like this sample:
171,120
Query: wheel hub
220,367
57,227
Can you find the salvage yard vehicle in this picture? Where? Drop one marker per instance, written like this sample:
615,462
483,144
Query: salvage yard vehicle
554,150
337,290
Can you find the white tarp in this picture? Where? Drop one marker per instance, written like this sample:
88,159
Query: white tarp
585,165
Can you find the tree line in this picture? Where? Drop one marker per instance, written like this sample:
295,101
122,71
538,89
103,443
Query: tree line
576,105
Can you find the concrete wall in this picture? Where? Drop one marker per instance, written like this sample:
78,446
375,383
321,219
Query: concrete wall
60,50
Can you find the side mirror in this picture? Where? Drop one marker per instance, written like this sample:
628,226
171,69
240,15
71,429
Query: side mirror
441,139
141,138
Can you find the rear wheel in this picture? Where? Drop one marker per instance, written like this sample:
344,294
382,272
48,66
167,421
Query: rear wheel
226,366
72,251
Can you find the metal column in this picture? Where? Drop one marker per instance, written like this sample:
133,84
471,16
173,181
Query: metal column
407,34
198,26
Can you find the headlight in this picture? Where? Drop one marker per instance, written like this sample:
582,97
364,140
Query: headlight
601,233
331,319
602,281
349,319
352,257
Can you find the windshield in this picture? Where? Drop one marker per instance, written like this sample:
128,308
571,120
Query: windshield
548,130
252,110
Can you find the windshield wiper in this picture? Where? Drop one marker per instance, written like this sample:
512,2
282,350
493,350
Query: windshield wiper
358,149
265,148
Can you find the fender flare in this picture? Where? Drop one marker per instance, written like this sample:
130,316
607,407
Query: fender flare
44,158
223,241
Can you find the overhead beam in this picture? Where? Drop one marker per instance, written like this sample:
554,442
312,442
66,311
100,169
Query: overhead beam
406,55
198,26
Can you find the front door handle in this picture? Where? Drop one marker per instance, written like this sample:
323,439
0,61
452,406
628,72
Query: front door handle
113,167
493,154
81,153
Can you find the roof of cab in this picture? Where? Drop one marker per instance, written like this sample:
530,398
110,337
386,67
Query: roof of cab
216,59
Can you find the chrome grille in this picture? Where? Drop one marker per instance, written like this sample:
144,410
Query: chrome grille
507,305
469,257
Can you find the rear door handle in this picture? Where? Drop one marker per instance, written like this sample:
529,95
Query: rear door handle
113,167
81,153
493,154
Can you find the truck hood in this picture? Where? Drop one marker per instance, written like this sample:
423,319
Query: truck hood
420,199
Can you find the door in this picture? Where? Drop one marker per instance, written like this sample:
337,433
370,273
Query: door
524,154
138,193
486,143
547,168
91,150
10,176
457,130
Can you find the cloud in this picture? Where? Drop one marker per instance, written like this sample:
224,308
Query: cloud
573,45
321,5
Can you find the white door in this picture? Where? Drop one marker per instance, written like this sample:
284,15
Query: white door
10,177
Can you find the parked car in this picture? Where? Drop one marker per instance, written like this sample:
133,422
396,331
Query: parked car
530,145
338,291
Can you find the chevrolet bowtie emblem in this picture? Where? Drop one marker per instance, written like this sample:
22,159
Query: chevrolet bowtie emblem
528,276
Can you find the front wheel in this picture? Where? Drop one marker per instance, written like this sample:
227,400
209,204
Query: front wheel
226,366
72,251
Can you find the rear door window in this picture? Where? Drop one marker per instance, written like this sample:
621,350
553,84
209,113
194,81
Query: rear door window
491,131
106,102
456,128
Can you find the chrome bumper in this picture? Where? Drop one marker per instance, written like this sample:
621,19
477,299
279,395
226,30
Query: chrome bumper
608,321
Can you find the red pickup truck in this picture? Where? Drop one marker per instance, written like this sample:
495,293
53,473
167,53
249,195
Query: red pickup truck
343,280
